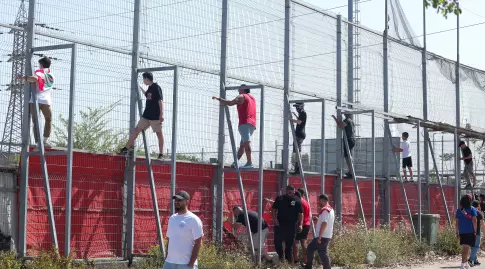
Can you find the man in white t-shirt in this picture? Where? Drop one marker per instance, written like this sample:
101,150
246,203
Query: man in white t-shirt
407,162
324,231
44,82
184,235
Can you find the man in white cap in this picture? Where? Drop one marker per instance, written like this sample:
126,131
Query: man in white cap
184,235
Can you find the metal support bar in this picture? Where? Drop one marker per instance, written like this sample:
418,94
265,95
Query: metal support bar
420,194
286,90
24,172
385,156
404,194
239,179
356,185
157,69
235,88
43,165
70,143
457,112
173,166
338,183
425,111
439,181
373,159
322,152
221,127
300,166
54,47
130,168
355,112
261,177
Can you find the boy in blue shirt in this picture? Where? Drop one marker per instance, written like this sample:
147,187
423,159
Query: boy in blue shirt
466,225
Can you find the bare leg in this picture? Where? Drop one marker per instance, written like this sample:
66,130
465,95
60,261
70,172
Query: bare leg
161,142
133,137
411,172
304,247
464,254
240,151
348,165
295,251
405,174
247,148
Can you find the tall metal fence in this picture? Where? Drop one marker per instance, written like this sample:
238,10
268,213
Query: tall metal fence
187,33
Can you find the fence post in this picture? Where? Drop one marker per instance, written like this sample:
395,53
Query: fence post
286,92
458,116
221,138
24,172
387,135
337,194
131,156
425,115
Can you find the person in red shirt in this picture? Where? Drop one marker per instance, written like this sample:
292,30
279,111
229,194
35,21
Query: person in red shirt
302,236
246,109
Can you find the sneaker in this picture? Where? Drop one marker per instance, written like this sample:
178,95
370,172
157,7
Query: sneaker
468,187
123,151
160,156
476,262
471,263
348,175
464,266
47,145
295,172
247,166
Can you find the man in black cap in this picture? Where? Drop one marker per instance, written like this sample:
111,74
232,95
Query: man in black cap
467,157
349,127
184,235
299,131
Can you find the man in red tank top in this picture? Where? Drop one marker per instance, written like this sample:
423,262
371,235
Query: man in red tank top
246,110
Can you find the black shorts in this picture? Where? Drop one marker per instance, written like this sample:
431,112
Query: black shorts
351,147
299,141
467,239
303,235
407,162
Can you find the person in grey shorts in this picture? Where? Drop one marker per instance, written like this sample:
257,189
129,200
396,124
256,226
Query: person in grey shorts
246,110
467,157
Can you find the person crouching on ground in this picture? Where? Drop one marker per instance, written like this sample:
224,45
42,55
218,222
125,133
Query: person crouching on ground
466,225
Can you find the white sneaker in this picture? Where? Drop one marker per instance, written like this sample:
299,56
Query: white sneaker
47,145
464,266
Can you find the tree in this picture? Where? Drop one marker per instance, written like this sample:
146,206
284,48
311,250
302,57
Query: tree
91,132
444,7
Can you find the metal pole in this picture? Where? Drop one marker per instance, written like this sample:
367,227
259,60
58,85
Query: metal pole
338,183
173,168
275,153
442,154
131,157
440,182
350,52
386,149
322,152
418,130
260,175
458,113
67,238
425,112
221,135
24,172
373,159
239,179
286,92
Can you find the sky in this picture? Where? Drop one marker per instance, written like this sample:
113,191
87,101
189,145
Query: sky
444,44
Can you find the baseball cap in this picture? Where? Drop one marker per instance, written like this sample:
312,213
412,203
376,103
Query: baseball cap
181,195
461,143
301,105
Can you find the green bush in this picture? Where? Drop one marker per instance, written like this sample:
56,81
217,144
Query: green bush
8,260
447,242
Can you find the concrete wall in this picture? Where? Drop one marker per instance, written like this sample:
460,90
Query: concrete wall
362,154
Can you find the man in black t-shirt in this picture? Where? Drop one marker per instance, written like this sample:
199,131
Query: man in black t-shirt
253,223
467,157
288,220
152,115
299,131
349,127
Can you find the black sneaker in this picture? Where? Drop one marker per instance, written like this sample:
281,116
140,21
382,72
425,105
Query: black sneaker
468,187
160,156
476,262
123,151
471,263
348,175
295,172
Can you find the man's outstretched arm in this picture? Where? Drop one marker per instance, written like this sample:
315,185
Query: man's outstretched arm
236,101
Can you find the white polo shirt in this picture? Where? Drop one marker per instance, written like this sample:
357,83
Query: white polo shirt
326,215
182,232
406,149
